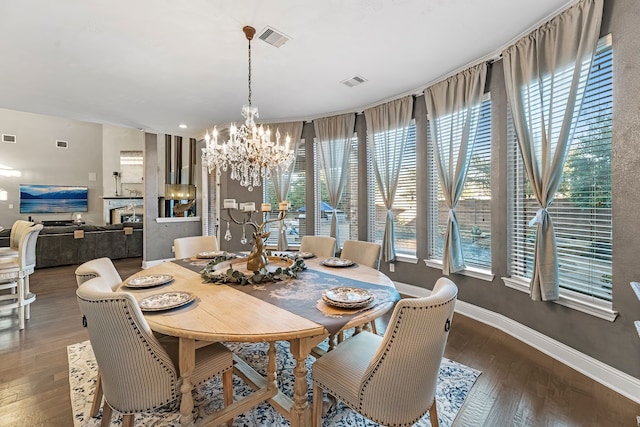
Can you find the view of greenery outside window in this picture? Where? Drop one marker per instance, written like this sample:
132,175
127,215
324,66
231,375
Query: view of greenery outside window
474,207
581,210
404,205
347,210
296,219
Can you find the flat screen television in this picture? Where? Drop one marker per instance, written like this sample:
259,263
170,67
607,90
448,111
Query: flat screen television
53,198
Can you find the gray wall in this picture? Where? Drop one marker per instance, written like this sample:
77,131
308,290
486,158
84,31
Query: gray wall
39,161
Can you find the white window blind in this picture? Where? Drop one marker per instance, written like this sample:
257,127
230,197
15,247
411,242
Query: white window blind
348,207
581,210
404,205
474,207
296,217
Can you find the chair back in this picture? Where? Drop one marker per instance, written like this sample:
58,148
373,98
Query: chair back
399,384
99,267
18,228
137,373
320,246
27,248
186,247
364,253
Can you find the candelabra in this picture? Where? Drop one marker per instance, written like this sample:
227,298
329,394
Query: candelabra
257,259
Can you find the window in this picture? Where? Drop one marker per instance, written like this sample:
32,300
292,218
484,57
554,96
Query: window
347,211
404,205
296,217
581,210
474,207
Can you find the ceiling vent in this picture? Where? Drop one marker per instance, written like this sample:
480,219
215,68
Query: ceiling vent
273,37
11,139
354,81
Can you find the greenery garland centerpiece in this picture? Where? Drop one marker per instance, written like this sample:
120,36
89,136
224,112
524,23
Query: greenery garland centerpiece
231,275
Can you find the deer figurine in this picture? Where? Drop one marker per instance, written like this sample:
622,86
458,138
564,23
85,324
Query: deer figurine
257,259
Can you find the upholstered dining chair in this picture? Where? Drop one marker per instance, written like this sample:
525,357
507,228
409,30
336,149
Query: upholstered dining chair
139,373
364,253
186,247
18,227
320,246
15,271
99,267
392,379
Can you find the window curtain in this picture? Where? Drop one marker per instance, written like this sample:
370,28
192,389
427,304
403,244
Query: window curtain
545,75
281,176
453,108
333,139
387,127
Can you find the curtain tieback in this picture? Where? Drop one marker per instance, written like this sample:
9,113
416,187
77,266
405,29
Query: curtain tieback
452,215
539,218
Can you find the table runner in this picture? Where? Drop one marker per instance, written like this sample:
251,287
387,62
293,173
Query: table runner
300,296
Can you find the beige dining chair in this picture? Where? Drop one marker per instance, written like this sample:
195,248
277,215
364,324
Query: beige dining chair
392,379
100,267
145,376
320,246
15,271
186,247
363,253
18,227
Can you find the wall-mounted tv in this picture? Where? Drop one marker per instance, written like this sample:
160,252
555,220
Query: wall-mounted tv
53,198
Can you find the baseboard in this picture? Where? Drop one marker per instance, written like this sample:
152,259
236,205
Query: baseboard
153,263
606,375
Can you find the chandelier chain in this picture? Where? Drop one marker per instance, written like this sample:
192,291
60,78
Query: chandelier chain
249,98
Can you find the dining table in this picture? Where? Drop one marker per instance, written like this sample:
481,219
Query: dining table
295,310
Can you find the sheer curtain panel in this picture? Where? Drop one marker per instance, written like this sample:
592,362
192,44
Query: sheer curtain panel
387,128
281,176
333,139
453,109
545,75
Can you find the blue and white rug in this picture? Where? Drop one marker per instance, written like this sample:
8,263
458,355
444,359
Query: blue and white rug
453,386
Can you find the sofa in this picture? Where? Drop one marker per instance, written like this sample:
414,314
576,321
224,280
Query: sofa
75,244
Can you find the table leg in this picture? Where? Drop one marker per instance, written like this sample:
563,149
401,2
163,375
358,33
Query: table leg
301,411
187,364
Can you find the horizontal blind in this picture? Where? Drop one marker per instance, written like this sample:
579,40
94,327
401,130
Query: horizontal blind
348,207
581,211
404,205
474,207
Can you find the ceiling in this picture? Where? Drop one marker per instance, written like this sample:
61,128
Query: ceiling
155,64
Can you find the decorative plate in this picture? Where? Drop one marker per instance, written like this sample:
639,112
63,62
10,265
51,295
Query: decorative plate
149,281
337,262
304,255
209,254
347,297
165,301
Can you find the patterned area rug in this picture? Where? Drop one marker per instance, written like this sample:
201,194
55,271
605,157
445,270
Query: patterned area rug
453,386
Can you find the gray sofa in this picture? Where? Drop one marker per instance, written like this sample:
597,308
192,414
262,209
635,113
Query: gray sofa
72,245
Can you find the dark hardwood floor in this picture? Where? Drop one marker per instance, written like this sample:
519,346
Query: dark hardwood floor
519,385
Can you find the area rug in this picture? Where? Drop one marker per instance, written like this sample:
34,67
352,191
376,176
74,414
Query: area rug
454,383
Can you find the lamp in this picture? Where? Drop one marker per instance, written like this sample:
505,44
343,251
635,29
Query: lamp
249,151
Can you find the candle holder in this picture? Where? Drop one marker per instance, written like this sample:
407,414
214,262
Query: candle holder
257,259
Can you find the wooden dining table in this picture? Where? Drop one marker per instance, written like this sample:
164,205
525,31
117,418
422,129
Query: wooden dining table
259,313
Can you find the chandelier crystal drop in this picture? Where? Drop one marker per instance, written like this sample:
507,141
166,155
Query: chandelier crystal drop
249,152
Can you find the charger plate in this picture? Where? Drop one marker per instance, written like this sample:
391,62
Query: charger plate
148,281
337,262
165,301
347,297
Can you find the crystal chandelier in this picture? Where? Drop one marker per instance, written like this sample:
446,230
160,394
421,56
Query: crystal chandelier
249,151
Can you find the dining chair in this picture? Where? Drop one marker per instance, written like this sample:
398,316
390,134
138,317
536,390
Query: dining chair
186,247
391,379
18,227
364,253
139,372
320,246
15,271
100,267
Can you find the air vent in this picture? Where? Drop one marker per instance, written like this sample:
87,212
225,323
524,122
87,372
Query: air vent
62,144
11,139
273,37
354,81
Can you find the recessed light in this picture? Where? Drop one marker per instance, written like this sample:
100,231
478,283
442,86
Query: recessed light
182,126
